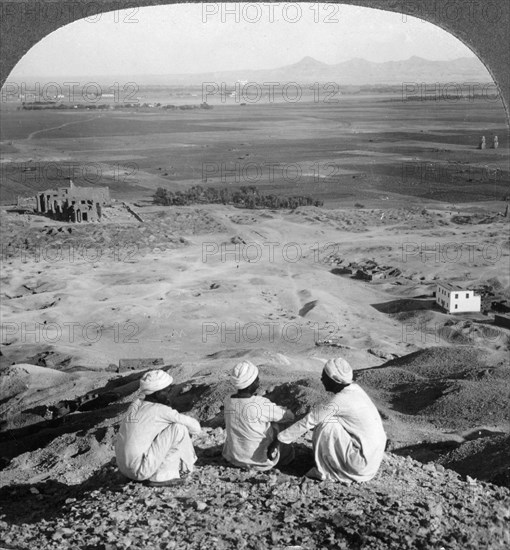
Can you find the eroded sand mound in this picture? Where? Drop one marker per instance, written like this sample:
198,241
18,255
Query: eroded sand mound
26,378
451,388
29,393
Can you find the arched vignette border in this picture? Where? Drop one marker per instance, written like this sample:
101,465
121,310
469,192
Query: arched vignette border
482,25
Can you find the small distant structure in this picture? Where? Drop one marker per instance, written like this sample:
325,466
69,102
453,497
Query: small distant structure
455,299
140,363
73,204
371,271
482,145
495,142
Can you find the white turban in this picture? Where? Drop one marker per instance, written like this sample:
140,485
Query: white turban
154,380
339,370
244,374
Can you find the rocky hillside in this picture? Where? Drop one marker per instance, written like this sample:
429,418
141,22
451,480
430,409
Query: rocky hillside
408,505
60,487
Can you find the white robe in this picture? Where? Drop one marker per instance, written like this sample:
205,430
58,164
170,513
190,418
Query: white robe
251,425
348,439
154,443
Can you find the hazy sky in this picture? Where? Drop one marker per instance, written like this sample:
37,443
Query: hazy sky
196,38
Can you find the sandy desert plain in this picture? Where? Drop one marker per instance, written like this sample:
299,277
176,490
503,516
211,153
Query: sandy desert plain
204,285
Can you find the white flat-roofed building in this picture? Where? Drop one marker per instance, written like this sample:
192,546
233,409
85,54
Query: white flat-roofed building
455,299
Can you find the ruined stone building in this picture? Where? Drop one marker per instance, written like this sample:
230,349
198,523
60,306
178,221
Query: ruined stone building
73,204
27,203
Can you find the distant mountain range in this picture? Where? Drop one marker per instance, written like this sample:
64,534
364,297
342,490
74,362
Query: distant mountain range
360,71
353,72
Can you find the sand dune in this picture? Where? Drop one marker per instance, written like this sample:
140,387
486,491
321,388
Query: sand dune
204,296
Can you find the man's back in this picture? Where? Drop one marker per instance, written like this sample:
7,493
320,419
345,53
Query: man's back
354,409
249,429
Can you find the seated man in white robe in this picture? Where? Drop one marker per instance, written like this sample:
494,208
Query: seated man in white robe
153,443
349,438
251,423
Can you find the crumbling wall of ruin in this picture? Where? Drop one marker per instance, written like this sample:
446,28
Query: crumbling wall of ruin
74,204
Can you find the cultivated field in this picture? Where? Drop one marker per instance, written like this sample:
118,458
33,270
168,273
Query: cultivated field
361,149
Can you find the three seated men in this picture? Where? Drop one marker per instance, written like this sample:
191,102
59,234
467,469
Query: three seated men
154,441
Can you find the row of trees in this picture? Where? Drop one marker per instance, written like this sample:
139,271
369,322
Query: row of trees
246,197
40,105
44,105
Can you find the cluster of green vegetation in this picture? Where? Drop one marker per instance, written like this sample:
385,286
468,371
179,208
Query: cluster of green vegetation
245,197
44,105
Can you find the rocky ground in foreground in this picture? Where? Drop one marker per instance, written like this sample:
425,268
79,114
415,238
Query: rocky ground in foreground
61,488
408,505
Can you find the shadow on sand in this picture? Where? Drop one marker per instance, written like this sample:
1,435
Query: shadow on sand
33,502
303,459
409,304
